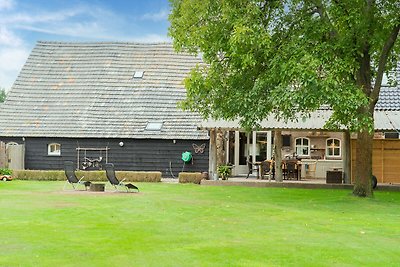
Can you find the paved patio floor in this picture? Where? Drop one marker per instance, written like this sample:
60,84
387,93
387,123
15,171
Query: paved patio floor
303,183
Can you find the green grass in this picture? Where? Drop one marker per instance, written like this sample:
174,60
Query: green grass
191,225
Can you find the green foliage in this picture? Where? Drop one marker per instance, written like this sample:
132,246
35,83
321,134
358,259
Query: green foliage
286,57
2,95
224,171
5,171
57,175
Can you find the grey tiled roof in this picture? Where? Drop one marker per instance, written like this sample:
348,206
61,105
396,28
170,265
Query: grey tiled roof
389,97
88,90
386,115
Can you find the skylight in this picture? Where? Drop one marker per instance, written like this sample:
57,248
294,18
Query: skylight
138,74
154,126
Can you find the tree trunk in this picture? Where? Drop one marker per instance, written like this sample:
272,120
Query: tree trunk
363,166
220,148
278,155
347,157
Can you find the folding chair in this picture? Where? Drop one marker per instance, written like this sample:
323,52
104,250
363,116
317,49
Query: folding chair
110,173
69,170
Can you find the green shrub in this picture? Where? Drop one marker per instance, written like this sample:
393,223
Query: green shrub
190,177
39,175
5,171
137,176
224,171
131,176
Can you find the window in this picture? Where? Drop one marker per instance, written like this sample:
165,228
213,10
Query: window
138,74
303,146
154,126
286,140
333,147
54,149
391,135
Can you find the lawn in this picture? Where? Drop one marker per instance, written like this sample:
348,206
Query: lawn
191,225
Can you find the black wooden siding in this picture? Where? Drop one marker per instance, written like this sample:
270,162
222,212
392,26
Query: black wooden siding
134,155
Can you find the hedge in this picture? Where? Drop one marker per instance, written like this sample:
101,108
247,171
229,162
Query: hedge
131,176
190,177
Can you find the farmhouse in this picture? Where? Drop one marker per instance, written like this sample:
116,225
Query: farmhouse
306,139
93,103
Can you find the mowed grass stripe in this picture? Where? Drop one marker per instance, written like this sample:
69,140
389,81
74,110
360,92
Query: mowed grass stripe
191,225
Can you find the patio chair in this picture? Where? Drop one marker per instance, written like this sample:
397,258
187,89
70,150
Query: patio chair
69,170
267,168
112,178
291,170
252,167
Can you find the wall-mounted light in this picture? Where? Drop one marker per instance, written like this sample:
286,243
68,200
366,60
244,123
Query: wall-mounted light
174,141
121,144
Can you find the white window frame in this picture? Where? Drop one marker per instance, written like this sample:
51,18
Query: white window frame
332,147
54,152
302,146
138,74
154,126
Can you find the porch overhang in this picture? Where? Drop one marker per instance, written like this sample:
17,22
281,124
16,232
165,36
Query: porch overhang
385,120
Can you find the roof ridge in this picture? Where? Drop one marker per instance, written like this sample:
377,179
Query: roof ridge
101,42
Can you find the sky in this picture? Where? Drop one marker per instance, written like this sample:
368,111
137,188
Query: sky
24,22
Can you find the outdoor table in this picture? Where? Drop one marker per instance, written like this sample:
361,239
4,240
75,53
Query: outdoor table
297,168
97,187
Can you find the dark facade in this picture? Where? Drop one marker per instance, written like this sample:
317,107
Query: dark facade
134,154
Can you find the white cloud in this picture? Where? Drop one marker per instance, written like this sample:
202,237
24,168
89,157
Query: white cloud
53,16
87,30
11,62
158,16
6,4
150,38
82,22
8,37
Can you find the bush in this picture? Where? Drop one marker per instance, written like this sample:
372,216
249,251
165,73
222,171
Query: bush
5,171
136,176
131,176
39,175
224,171
190,177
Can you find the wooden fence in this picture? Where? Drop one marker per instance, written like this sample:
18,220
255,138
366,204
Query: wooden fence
385,160
3,155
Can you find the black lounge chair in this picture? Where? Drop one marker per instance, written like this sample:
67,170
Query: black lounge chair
69,169
110,173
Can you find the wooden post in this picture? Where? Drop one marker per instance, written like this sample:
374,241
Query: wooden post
248,146
227,147
278,155
254,148
347,157
269,144
236,157
212,163
383,144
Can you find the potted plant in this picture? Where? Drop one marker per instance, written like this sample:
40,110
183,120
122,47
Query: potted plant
5,174
224,171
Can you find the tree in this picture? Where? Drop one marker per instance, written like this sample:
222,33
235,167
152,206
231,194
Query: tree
290,57
2,95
